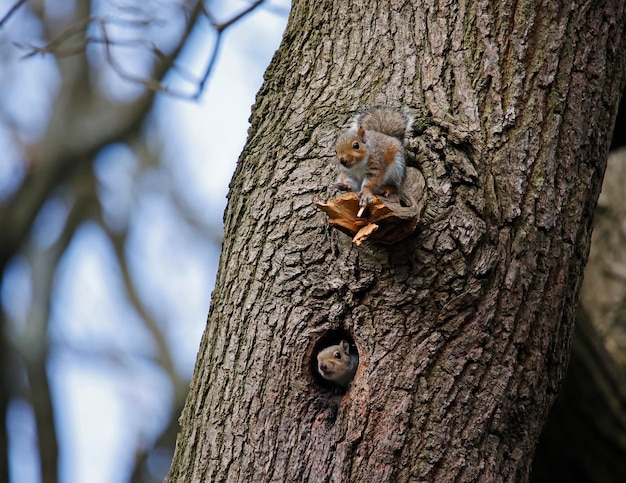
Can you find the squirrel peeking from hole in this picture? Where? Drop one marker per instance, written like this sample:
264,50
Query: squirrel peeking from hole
338,364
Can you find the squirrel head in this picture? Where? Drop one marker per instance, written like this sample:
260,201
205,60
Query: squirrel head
351,147
334,363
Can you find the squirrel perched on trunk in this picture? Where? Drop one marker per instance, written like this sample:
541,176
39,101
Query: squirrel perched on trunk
371,153
338,363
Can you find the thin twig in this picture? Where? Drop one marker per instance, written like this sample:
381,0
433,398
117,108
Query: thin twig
209,67
164,356
55,43
55,47
220,28
11,11
147,82
79,28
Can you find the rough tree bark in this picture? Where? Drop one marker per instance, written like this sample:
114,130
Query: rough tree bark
463,329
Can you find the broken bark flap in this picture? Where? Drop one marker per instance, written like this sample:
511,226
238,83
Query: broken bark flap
385,220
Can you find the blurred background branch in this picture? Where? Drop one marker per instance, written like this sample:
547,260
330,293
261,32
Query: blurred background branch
112,190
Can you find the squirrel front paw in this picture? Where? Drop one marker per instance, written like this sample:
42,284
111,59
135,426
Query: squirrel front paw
365,198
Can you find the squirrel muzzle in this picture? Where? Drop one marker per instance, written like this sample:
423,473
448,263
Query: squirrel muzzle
325,368
347,161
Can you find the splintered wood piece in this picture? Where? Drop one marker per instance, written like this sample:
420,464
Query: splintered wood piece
364,233
384,220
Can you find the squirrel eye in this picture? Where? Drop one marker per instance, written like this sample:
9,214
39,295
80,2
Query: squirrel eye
355,145
337,355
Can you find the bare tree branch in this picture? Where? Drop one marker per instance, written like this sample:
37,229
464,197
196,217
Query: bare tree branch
157,85
57,47
164,355
63,151
33,346
220,28
163,358
6,390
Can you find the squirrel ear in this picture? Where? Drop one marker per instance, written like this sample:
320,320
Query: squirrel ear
345,346
361,132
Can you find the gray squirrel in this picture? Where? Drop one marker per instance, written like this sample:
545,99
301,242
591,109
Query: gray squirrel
370,154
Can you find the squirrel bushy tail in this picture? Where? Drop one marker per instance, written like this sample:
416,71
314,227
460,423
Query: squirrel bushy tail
385,120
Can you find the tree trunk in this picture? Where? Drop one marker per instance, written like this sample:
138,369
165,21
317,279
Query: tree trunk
463,329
